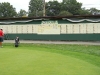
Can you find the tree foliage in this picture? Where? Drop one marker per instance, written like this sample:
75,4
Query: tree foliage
22,13
94,11
84,11
71,6
65,13
53,8
35,6
7,10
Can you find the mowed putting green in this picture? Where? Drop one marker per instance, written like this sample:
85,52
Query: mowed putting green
38,61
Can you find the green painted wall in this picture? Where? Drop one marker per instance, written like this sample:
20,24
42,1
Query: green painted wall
69,37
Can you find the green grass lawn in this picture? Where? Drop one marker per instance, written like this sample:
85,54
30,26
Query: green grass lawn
49,59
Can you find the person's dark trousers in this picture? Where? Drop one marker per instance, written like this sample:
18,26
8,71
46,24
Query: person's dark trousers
16,45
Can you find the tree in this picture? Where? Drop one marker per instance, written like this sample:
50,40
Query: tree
7,10
71,6
52,8
40,13
35,6
94,11
22,13
65,13
84,11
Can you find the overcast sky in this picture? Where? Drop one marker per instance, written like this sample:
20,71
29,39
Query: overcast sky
23,4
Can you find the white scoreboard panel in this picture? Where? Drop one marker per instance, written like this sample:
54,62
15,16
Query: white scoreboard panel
89,28
79,28
29,28
82,28
76,28
34,29
63,29
69,29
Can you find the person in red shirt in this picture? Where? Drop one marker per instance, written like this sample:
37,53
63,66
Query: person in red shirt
1,37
